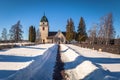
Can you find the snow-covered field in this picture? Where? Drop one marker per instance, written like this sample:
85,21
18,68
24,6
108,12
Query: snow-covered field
38,62
19,44
87,64
12,60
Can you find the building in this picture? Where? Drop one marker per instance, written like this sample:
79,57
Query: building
50,37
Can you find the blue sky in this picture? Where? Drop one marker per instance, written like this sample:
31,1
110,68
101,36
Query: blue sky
29,12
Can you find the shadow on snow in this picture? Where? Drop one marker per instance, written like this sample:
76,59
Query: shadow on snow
80,59
6,73
30,47
9,58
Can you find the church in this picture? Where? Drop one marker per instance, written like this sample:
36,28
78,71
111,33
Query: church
50,37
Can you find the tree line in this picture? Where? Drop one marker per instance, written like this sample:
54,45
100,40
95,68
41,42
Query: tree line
34,35
100,33
103,32
14,35
80,35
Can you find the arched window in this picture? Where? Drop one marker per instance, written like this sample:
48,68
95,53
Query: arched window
43,28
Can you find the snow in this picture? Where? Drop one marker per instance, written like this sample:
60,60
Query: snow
84,69
107,60
19,44
13,66
27,51
41,68
38,62
75,67
96,65
12,60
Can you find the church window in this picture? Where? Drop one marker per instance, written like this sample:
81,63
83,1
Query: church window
43,28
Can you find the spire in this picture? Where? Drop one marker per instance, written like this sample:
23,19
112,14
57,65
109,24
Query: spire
44,13
44,18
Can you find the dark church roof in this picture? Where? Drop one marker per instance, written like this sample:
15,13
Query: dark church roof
64,33
44,19
52,34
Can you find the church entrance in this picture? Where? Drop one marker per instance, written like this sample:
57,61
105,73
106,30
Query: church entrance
59,40
43,41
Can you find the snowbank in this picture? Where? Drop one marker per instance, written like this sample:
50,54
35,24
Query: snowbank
28,51
78,67
41,68
14,59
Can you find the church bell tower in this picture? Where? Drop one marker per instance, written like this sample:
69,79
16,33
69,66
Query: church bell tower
44,29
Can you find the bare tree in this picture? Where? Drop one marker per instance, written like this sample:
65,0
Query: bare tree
101,32
38,35
106,31
118,40
110,29
93,34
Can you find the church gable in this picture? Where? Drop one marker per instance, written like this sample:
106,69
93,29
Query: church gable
59,34
59,37
56,37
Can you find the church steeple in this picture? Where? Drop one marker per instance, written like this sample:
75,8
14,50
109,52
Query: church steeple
44,28
44,18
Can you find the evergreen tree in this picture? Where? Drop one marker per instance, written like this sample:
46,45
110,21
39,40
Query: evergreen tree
81,32
67,30
32,34
16,32
70,30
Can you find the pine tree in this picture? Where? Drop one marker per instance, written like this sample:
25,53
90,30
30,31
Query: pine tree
32,34
81,32
70,30
67,30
